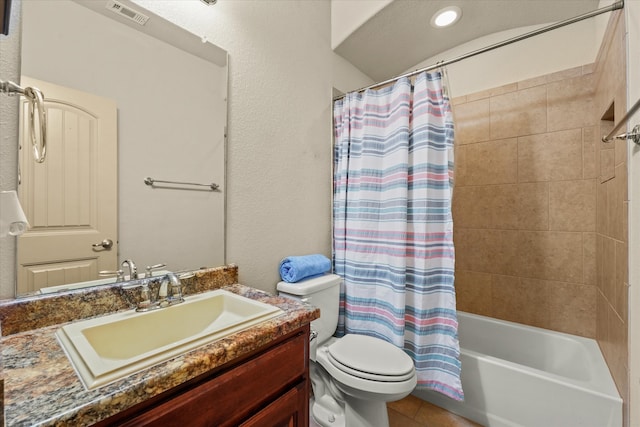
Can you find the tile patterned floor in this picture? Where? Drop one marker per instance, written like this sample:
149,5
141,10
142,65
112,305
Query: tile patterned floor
413,412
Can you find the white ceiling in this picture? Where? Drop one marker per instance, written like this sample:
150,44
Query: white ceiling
400,35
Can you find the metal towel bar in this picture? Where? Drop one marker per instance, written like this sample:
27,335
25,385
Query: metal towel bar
36,102
151,182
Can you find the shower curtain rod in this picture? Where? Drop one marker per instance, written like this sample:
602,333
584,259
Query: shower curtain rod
612,7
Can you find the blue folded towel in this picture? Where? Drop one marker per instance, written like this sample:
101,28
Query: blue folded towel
296,268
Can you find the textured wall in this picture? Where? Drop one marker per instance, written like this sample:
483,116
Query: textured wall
279,126
279,147
9,70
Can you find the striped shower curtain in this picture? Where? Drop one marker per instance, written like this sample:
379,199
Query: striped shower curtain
393,230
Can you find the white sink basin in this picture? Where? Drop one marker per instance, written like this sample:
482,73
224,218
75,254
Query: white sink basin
109,348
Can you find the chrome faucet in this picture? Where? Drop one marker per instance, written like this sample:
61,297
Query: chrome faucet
133,271
169,291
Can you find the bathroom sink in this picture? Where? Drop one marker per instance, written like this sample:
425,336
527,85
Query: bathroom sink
109,348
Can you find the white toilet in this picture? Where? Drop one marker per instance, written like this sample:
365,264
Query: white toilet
353,377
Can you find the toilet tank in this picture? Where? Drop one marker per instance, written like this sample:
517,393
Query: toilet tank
322,292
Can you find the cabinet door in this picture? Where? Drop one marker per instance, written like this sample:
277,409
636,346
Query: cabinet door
234,395
290,410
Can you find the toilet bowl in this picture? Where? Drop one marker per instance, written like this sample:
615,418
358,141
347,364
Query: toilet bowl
353,377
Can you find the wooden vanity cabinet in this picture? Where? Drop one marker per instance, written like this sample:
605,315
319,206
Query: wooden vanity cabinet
269,388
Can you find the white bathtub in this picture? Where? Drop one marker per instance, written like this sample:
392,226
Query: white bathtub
517,375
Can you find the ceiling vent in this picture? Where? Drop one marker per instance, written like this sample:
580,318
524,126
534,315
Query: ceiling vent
127,12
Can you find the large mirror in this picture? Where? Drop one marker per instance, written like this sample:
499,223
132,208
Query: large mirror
125,102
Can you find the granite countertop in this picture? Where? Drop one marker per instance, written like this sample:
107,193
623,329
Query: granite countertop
41,387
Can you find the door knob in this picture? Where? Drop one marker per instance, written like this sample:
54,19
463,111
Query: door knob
105,244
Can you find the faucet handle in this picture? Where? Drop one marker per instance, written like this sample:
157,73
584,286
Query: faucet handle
144,302
150,268
118,273
187,275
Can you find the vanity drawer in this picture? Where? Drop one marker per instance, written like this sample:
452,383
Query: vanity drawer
236,394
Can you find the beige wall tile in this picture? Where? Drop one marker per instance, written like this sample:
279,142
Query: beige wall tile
611,328
572,205
473,292
588,68
492,162
532,82
614,208
602,221
620,149
519,113
589,258
520,300
479,95
486,206
569,73
486,251
572,278
470,207
488,93
570,103
458,100
625,221
501,90
572,308
589,153
617,356
550,156
623,189
460,166
551,255
472,122
602,323
607,168
618,194
621,302
609,269
599,262
504,206
533,206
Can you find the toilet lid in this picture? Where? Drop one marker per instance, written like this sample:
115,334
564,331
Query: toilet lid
371,358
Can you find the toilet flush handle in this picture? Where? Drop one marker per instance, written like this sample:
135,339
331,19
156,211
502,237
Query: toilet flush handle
313,335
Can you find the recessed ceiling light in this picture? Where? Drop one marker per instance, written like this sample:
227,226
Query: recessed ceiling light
446,17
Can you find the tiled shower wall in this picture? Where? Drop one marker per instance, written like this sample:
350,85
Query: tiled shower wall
540,204
524,204
612,207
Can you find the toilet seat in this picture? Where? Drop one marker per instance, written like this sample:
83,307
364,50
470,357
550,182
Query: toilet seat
392,388
370,358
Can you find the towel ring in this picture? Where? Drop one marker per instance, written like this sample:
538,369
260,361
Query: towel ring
36,102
